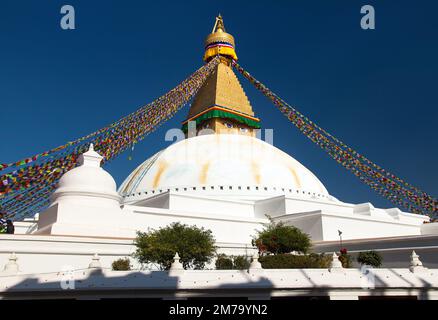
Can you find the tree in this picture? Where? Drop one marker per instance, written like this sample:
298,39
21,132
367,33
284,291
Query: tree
278,238
194,245
370,258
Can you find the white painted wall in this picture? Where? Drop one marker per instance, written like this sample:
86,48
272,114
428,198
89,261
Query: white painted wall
38,254
338,284
225,228
231,220
354,227
310,223
429,228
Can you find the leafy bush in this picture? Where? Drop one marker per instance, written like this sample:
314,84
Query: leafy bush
241,263
278,238
223,262
370,258
345,259
122,264
194,245
290,261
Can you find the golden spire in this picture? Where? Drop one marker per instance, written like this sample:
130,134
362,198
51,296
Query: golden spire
221,103
219,24
219,42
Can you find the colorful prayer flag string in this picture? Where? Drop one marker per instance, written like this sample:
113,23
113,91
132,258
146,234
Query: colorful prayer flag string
27,184
383,182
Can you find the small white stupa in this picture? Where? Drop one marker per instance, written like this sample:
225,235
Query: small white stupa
85,203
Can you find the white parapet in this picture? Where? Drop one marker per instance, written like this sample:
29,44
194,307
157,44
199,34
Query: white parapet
219,283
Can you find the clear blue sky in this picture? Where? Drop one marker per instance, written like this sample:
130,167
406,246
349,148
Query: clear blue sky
376,90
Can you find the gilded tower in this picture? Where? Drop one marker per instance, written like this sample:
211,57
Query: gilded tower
221,104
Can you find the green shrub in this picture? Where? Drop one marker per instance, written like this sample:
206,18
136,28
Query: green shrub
278,238
241,263
194,245
223,262
290,261
370,258
345,259
122,264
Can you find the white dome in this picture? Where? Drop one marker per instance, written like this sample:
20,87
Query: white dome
221,160
88,178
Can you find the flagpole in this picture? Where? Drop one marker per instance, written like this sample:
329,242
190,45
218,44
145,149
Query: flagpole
340,239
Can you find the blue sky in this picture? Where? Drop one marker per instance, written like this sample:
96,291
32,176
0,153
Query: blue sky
375,90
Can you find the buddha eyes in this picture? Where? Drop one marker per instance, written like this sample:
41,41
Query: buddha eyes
230,126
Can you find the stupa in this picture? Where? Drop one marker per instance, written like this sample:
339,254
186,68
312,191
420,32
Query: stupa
220,177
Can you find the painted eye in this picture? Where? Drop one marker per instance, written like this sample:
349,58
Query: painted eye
228,125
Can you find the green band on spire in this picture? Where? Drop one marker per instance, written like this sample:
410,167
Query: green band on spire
223,114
